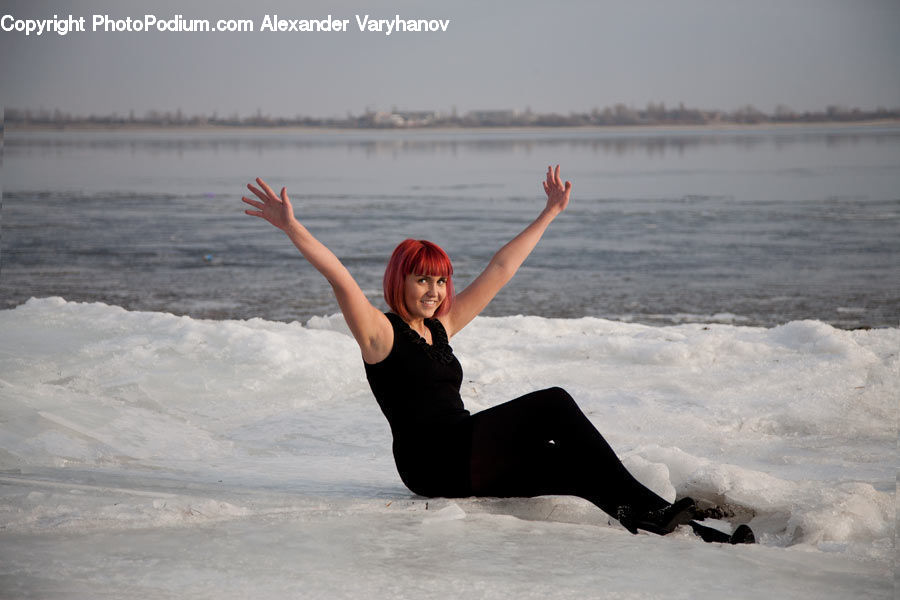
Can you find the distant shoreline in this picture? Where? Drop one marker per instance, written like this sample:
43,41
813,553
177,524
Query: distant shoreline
142,127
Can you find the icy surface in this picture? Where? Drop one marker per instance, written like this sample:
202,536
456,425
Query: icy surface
149,455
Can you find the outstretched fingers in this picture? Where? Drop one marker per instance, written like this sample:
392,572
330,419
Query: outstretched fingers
266,188
266,194
259,206
287,211
274,208
557,191
253,203
559,182
554,181
258,193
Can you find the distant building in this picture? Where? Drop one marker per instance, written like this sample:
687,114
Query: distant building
409,118
492,117
417,118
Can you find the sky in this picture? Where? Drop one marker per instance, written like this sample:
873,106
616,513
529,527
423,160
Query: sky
564,56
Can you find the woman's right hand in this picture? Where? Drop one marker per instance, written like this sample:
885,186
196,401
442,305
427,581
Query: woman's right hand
275,209
371,329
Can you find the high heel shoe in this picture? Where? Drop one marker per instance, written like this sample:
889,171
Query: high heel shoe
742,535
660,522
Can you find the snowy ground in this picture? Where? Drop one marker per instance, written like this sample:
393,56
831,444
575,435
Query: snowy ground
152,456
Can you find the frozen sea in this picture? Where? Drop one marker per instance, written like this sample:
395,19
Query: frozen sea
184,415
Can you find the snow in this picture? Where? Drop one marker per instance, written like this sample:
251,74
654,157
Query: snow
148,455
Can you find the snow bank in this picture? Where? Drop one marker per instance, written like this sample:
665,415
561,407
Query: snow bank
187,422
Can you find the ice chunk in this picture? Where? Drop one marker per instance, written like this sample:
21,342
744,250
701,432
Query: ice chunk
451,512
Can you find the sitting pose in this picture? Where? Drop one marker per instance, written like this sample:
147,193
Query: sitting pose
538,444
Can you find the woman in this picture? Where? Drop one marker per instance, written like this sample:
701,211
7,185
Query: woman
538,444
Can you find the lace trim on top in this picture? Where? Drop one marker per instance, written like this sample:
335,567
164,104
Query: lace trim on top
439,349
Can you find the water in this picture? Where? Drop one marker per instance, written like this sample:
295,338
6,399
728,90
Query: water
755,227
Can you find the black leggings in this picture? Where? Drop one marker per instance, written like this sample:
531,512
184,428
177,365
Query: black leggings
543,444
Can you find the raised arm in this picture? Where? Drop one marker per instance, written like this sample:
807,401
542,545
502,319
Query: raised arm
369,326
471,301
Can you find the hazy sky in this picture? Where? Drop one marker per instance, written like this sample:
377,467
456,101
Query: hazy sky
548,56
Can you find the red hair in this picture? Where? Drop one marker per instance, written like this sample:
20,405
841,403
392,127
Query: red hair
419,257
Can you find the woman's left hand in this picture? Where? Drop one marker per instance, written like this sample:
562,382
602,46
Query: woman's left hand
557,193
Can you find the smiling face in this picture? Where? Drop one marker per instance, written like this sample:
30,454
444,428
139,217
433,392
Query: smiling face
423,294
418,280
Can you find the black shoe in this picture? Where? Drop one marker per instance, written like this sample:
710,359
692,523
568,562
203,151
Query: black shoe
660,522
742,535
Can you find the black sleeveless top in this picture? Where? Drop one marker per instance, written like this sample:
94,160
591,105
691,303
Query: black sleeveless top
417,385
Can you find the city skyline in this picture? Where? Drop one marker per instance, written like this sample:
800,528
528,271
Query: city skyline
576,57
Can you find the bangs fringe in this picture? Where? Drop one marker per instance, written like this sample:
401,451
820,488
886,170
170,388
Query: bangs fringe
429,260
